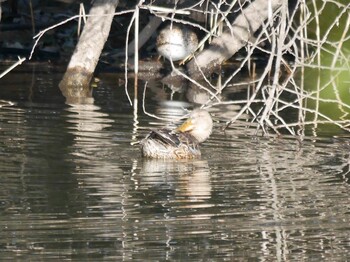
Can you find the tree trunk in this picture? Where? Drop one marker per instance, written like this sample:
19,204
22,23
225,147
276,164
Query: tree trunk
234,38
75,84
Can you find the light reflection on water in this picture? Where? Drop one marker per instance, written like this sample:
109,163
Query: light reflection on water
72,187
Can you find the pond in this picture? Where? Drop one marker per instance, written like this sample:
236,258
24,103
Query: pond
74,186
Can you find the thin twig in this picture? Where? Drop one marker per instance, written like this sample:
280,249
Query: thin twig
20,61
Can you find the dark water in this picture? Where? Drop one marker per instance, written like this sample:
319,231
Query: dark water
74,188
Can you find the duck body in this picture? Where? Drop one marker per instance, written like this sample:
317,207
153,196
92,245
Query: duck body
170,144
181,143
176,42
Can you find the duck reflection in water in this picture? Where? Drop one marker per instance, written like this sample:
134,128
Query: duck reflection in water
181,143
165,177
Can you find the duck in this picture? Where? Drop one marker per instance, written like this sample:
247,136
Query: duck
175,42
180,143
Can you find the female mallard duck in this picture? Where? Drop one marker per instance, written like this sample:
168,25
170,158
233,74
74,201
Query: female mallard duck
182,142
176,41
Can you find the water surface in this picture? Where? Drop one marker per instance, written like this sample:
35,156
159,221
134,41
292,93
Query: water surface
73,186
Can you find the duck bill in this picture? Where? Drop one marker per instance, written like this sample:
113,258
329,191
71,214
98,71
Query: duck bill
186,126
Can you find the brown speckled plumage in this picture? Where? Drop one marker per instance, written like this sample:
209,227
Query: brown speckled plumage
182,143
176,41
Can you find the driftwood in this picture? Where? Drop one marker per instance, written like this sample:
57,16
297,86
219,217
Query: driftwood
75,84
234,38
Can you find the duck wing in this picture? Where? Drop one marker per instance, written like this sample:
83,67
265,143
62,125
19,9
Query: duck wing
167,136
173,138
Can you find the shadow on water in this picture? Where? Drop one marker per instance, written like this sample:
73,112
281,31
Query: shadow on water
73,188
